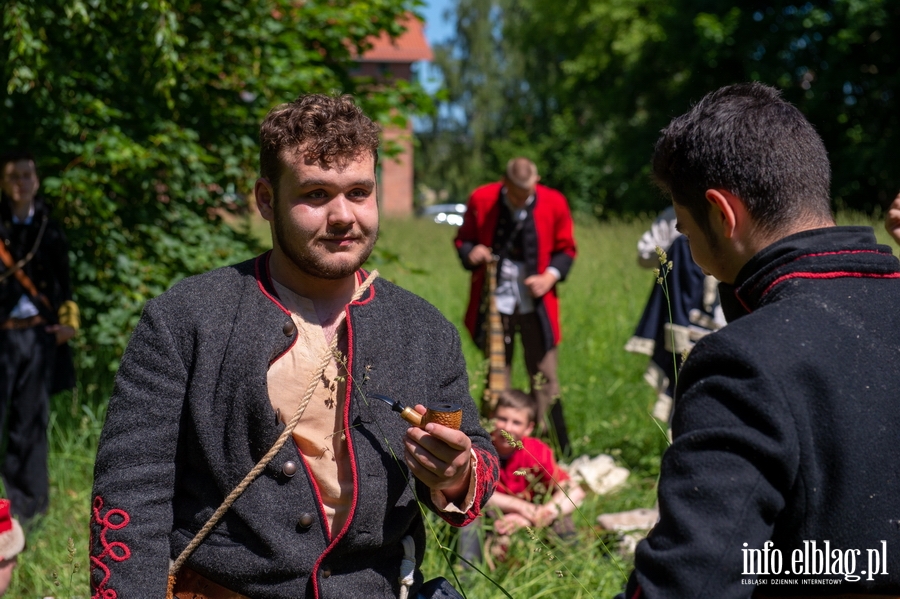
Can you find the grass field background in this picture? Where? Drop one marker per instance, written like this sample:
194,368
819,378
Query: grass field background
607,406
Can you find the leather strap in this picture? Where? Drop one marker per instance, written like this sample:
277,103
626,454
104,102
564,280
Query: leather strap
15,324
15,268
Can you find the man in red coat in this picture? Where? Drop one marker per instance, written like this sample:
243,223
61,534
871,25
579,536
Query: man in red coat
528,227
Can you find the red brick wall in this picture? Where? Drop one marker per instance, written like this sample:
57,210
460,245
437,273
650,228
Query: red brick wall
397,188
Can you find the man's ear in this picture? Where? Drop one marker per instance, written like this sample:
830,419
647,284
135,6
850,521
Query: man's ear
729,212
265,198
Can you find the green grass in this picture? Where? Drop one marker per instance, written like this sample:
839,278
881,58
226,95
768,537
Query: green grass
606,401
55,560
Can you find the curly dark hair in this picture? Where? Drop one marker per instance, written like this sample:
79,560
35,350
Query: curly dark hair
327,129
746,139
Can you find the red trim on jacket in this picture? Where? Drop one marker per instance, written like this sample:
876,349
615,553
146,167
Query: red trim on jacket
116,551
637,593
815,275
335,539
260,280
828,275
554,229
362,275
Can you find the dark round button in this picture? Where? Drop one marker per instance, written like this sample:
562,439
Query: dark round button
289,469
289,328
326,572
306,520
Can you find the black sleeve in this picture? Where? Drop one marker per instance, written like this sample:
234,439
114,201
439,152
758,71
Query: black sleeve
723,480
134,474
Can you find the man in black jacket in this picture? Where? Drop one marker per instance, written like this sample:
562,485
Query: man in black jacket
782,477
37,316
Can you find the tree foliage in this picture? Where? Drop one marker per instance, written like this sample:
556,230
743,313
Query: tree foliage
144,116
585,86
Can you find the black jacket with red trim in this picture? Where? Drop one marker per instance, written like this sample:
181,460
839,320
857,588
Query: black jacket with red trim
190,416
786,429
48,269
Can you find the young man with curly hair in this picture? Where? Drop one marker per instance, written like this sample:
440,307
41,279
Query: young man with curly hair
221,363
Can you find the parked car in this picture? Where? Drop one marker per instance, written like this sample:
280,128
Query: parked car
445,214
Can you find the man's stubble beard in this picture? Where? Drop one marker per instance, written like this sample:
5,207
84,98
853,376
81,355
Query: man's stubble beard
308,262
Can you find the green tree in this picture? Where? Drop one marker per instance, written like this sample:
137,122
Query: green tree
595,81
480,71
144,116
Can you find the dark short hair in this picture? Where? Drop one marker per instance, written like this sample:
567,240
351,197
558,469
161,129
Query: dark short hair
519,400
329,129
746,139
15,156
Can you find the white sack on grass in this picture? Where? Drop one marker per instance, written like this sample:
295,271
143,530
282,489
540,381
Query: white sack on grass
640,519
600,474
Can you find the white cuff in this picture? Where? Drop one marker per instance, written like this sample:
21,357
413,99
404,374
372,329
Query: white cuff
440,500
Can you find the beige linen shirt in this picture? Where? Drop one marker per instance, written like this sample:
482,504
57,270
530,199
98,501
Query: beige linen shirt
320,436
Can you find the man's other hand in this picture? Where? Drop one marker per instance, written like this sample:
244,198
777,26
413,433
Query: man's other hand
63,332
440,457
480,254
892,219
540,284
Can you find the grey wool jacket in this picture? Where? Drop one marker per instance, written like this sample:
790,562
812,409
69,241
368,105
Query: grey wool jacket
190,415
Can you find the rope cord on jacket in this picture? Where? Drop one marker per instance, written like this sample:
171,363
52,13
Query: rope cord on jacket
276,447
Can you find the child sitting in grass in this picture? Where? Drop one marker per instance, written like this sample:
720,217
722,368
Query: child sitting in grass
529,475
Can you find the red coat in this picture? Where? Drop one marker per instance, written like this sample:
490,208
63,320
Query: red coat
549,228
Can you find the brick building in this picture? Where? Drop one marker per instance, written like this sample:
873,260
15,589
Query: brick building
393,59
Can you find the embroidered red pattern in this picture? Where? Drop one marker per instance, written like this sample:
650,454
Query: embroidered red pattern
116,551
486,476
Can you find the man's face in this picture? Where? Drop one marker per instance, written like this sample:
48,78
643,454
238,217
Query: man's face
19,181
704,250
516,195
325,220
515,421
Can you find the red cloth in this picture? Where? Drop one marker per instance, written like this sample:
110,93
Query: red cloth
5,516
553,225
536,458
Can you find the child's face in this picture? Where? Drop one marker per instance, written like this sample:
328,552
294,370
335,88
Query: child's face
515,421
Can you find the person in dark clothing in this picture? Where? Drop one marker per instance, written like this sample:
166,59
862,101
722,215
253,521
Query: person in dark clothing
683,307
37,316
781,479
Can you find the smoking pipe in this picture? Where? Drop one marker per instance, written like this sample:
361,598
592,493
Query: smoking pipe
448,414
